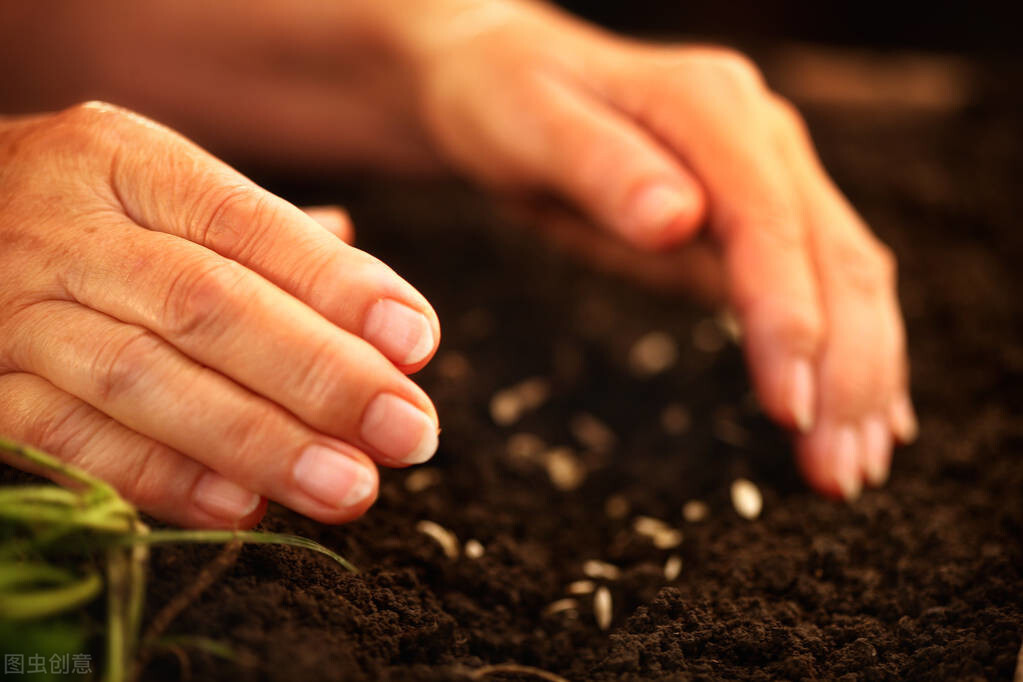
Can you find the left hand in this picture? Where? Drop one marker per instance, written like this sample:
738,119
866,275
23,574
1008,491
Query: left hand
652,142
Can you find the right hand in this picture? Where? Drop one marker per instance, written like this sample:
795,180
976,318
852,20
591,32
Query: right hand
198,342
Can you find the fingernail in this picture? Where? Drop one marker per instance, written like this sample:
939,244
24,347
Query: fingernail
877,447
333,478
847,463
656,207
402,334
801,395
903,419
399,429
224,499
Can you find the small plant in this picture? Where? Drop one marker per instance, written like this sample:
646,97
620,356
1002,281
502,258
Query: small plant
60,546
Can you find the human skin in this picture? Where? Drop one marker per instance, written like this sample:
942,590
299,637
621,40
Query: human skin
654,143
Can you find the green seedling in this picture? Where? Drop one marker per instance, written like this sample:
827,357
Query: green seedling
44,528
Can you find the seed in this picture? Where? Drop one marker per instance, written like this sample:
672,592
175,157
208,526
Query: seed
695,511
616,507
474,549
444,537
524,446
675,419
421,479
746,498
567,604
648,525
708,337
652,354
509,404
564,469
602,607
594,568
672,567
592,433
669,538
453,366
582,587
727,430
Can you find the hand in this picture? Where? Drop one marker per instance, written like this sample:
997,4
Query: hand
198,342
652,142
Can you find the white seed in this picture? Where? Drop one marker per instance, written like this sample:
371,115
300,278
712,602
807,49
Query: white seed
419,480
581,587
447,540
592,433
648,525
675,419
474,549
669,538
602,607
616,507
730,325
509,404
727,430
746,498
560,606
672,567
453,366
601,570
564,469
524,446
695,511
708,337
652,354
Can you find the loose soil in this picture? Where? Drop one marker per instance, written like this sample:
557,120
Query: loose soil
922,579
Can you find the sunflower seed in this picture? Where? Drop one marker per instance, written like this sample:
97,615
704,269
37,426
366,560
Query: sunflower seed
564,469
708,336
447,540
560,606
746,498
652,354
668,538
594,568
648,525
675,419
509,404
616,507
695,511
474,549
672,567
453,366
581,587
419,480
602,607
592,433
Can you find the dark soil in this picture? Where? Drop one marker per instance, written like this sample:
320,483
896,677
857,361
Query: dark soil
922,579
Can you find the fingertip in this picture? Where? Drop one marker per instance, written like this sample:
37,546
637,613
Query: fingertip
877,450
902,418
830,460
663,215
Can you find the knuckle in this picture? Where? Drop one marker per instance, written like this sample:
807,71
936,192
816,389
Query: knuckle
324,384
57,430
867,266
232,218
787,113
121,364
201,299
732,65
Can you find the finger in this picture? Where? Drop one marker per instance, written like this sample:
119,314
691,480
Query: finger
694,269
137,379
333,219
153,477
179,189
227,318
754,213
863,359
